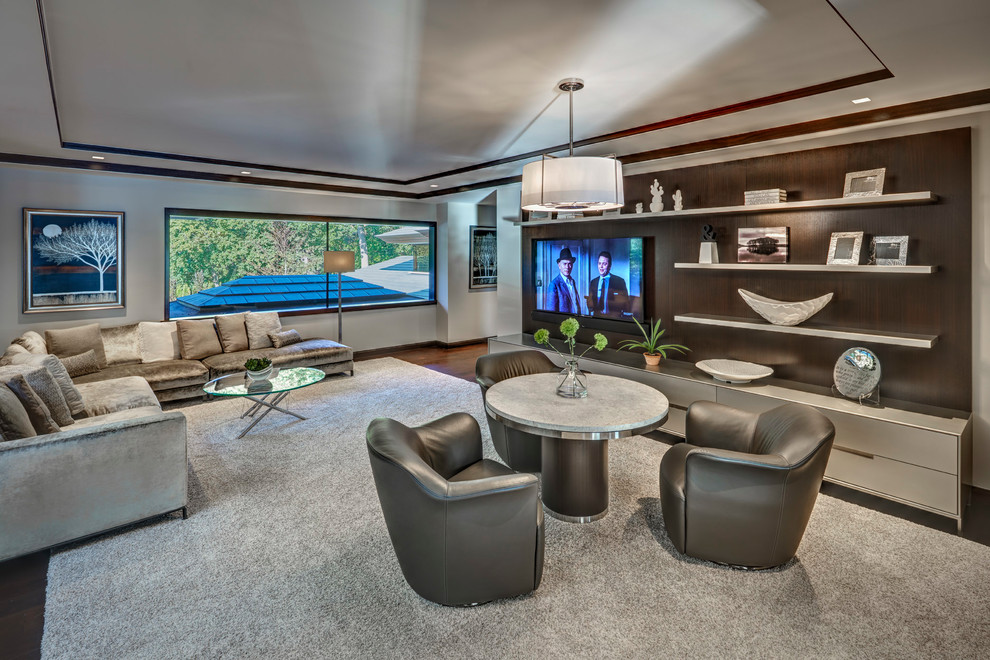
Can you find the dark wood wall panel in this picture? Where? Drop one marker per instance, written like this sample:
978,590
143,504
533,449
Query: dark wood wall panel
938,304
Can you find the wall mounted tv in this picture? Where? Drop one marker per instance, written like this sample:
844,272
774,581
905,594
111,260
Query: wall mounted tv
568,277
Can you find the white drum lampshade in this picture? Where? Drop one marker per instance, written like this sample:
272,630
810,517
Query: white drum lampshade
338,261
572,184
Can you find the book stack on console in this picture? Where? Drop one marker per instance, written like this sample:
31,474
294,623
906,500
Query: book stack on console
772,196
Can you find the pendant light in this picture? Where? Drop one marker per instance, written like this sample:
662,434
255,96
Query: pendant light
574,183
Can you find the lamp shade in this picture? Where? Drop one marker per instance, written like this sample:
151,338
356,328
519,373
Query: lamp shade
338,261
572,183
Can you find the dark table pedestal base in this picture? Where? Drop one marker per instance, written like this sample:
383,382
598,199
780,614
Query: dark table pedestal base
575,479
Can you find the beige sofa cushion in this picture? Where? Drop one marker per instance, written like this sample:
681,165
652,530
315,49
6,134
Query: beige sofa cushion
161,375
42,383
122,343
14,421
73,341
198,339
285,338
159,341
117,394
233,333
32,342
259,325
80,365
12,352
41,418
120,415
58,371
309,352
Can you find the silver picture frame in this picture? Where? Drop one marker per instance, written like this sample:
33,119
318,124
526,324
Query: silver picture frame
483,261
889,250
868,183
845,248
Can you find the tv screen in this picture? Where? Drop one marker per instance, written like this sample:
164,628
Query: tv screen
600,277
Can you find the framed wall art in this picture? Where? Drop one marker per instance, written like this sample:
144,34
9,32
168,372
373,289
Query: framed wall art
73,260
890,250
484,258
767,245
868,183
845,248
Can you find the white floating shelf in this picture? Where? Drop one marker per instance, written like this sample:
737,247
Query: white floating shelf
811,330
814,268
925,197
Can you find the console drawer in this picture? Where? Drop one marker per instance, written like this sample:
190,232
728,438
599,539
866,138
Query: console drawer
907,444
929,488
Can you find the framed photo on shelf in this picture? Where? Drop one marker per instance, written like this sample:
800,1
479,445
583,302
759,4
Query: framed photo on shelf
868,183
73,260
845,248
889,250
765,245
484,258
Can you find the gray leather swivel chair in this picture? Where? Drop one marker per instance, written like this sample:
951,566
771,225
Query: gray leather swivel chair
465,530
520,451
741,488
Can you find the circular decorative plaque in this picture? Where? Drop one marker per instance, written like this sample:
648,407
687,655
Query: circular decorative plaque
857,373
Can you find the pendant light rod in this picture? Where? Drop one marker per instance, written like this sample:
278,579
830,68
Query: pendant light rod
570,85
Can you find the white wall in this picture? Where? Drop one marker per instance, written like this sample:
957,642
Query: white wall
143,200
979,121
509,307
463,314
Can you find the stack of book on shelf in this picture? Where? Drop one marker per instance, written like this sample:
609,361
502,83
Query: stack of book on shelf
772,196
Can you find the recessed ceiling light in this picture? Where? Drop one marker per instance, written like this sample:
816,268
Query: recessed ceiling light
98,157
434,185
865,99
245,172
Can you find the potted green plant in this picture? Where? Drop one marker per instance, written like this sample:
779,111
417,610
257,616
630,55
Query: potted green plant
258,368
572,383
653,350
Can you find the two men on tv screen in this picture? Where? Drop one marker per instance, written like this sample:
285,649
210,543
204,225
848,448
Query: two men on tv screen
607,293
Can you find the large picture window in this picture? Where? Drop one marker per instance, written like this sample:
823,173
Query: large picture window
224,263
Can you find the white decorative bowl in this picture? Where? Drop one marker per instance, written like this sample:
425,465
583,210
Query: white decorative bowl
734,371
260,375
780,312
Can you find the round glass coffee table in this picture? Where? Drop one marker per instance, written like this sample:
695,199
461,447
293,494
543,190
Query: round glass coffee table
277,387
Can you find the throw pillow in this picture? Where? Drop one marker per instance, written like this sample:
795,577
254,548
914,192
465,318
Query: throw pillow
14,421
32,342
159,341
259,325
285,338
80,365
41,418
13,351
233,333
73,341
198,339
58,371
122,344
44,385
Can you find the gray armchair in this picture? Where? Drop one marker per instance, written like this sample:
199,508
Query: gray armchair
465,530
520,450
741,488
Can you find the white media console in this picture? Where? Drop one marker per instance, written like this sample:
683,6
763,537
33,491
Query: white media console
910,453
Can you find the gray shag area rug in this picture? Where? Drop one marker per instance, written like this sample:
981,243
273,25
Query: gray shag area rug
286,555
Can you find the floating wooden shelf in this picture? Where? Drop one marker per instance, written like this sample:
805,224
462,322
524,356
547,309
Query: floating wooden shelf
812,330
925,197
816,268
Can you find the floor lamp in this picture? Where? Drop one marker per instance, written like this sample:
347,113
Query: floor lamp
339,261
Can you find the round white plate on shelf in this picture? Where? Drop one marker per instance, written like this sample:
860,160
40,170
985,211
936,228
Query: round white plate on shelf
734,371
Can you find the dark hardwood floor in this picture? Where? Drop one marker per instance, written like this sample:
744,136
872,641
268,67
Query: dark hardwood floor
23,580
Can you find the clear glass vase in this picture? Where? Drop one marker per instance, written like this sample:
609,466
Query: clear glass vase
573,382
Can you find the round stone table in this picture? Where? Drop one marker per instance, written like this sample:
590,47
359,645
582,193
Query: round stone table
575,433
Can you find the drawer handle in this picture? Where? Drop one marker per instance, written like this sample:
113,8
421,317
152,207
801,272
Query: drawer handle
854,451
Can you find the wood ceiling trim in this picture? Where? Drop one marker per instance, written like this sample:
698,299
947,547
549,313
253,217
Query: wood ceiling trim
902,111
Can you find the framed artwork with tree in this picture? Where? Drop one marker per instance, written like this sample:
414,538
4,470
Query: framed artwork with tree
73,260
484,258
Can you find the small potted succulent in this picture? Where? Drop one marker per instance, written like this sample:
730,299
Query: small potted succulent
572,382
653,350
258,368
